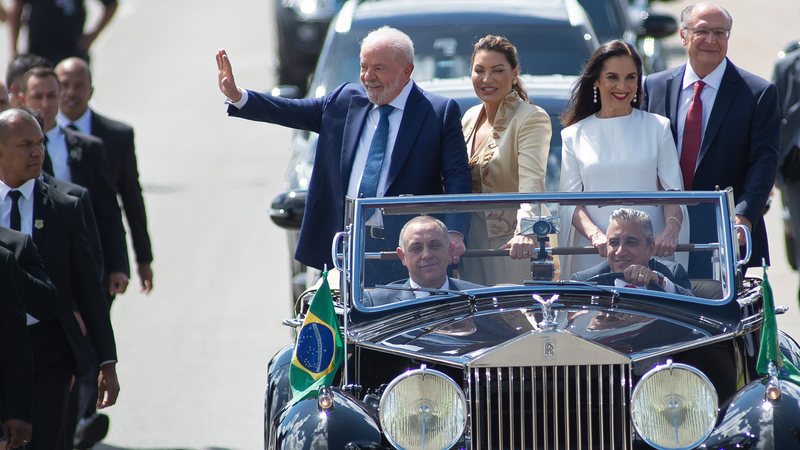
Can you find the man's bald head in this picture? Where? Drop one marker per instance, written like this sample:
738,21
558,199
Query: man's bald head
10,117
75,78
21,147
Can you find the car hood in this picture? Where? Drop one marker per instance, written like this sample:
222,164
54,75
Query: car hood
513,337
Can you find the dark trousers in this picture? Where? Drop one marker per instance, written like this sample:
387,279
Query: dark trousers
53,370
82,403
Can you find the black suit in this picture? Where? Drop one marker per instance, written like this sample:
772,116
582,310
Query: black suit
16,365
121,154
739,149
378,297
39,293
669,269
60,348
88,215
89,168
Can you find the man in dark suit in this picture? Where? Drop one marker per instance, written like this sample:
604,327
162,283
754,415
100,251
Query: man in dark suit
725,123
81,159
55,221
418,133
630,252
76,91
786,76
425,249
39,294
16,366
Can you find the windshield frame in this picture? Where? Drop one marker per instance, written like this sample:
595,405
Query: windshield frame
355,256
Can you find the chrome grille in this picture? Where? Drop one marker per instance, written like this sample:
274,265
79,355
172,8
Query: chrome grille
550,408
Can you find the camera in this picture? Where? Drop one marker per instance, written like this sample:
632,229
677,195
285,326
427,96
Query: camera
542,267
538,226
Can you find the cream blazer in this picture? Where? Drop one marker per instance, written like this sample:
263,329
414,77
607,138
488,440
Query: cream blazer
519,143
515,155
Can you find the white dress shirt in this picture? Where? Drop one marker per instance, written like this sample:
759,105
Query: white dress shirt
421,294
707,96
25,205
83,123
59,153
365,140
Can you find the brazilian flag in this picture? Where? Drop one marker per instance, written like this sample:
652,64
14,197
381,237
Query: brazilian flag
769,350
318,350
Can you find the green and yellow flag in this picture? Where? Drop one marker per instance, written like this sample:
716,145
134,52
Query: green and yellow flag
769,350
318,350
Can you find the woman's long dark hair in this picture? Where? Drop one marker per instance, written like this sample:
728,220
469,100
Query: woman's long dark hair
581,104
502,45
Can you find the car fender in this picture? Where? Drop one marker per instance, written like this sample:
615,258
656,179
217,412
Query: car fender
279,391
751,421
347,425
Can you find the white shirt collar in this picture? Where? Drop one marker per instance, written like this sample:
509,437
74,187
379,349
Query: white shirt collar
83,123
713,79
26,188
413,284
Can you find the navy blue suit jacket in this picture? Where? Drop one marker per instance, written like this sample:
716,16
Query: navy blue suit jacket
429,155
740,144
669,269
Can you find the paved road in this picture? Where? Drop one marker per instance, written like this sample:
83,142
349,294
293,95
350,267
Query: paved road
193,354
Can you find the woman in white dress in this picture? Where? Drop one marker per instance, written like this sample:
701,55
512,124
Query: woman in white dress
508,140
611,145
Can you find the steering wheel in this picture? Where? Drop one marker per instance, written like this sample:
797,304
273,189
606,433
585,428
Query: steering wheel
608,279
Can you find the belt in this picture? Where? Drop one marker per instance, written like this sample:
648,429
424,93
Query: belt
375,232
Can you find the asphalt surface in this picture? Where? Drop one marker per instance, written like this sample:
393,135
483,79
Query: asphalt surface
193,353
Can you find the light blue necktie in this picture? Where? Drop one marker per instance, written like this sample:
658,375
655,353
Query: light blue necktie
377,150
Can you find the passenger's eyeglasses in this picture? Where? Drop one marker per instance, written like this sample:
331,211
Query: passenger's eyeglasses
703,33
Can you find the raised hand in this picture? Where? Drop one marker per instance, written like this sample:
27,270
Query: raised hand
227,85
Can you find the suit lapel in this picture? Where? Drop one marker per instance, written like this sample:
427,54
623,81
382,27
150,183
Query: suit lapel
354,123
673,95
727,91
40,207
413,119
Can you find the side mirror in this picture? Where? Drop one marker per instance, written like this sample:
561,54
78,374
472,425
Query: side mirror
285,90
658,25
287,209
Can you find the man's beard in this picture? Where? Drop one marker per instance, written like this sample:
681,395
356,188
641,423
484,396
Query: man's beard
384,97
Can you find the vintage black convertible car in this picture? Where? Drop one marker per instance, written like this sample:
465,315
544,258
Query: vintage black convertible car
542,360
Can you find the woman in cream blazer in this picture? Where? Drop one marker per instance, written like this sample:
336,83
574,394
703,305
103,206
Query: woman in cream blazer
508,141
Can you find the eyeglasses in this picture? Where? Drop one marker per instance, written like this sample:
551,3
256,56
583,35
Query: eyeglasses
719,34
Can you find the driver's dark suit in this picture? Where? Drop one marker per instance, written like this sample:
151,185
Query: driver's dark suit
672,270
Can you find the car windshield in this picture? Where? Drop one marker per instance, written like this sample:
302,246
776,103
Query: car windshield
445,51
399,251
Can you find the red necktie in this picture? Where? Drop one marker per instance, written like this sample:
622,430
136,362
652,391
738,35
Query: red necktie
692,136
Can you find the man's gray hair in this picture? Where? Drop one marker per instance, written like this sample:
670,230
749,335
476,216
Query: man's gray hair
419,220
688,12
398,41
641,218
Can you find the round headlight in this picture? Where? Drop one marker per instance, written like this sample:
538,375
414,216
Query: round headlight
674,406
423,409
